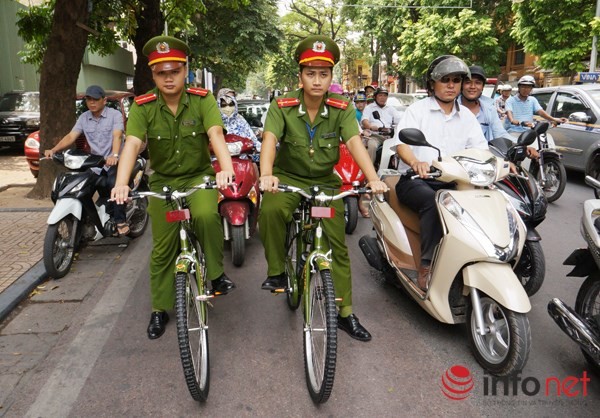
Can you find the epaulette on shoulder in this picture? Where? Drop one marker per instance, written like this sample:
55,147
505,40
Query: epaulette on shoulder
197,91
288,102
339,103
145,98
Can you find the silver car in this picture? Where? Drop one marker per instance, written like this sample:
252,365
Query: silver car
579,139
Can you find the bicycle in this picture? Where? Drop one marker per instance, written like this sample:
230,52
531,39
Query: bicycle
191,292
308,271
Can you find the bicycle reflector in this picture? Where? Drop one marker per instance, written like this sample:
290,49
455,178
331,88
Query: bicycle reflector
321,212
178,215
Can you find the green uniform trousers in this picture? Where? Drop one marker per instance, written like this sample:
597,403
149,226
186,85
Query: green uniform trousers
207,225
276,211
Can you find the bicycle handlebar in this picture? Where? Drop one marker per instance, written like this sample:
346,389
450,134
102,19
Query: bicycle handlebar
175,194
322,197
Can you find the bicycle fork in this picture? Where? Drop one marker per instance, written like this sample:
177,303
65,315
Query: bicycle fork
187,263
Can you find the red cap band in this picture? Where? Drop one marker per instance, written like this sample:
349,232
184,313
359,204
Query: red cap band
171,55
310,55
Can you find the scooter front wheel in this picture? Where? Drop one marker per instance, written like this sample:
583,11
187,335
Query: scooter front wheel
139,218
238,245
351,213
59,251
555,175
531,268
504,347
587,305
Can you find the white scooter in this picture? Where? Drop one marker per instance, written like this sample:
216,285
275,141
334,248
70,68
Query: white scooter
472,278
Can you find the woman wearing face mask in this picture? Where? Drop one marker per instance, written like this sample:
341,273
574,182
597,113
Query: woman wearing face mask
233,121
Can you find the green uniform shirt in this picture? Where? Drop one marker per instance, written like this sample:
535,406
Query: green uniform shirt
178,145
292,126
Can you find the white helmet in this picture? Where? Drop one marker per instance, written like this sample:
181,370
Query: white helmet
526,80
506,87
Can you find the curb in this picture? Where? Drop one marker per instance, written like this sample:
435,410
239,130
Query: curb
20,288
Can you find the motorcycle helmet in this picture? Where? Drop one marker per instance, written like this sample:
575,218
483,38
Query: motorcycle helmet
443,66
360,97
526,80
476,70
380,90
336,88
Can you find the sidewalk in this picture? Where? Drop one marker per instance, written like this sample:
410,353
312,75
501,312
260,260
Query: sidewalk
22,232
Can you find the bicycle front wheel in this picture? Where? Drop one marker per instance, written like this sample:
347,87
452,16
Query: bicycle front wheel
293,266
320,336
192,335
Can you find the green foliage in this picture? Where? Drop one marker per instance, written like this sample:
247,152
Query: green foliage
560,36
233,42
34,25
467,36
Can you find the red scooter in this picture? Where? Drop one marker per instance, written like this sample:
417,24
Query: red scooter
352,176
239,203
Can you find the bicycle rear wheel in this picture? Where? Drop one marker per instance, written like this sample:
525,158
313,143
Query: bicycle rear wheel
320,336
293,269
192,335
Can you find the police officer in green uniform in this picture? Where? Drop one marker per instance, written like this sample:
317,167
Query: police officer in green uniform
308,124
177,124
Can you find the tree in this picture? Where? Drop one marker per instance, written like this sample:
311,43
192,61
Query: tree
560,38
467,36
60,70
234,41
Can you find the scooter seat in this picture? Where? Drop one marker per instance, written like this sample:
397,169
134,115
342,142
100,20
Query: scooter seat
407,216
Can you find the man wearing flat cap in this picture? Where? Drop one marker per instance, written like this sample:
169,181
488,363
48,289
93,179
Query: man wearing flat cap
177,123
308,125
103,130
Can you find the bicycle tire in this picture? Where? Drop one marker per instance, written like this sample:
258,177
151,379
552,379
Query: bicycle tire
192,336
320,336
293,271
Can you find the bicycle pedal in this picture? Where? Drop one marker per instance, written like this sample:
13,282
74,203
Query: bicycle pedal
204,298
281,290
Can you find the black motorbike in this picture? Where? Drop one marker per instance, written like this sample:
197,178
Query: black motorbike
582,324
527,197
77,218
548,169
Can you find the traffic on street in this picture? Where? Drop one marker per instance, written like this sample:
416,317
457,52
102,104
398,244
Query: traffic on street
78,347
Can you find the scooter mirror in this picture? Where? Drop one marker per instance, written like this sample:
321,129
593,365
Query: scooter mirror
541,127
376,115
413,136
527,137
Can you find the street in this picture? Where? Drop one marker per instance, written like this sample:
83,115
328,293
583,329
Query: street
79,348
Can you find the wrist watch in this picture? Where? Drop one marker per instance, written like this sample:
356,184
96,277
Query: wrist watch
116,155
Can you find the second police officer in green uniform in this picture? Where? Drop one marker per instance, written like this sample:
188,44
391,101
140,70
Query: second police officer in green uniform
177,124
308,124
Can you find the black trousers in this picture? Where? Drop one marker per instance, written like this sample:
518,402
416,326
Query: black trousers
419,195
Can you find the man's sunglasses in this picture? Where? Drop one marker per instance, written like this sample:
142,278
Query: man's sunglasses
447,79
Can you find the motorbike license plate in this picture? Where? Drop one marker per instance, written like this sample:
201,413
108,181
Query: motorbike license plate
178,215
321,212
7,139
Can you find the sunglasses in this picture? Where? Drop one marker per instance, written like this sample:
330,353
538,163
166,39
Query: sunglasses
447,79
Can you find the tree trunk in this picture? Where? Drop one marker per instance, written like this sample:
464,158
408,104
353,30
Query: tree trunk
58,83
150,23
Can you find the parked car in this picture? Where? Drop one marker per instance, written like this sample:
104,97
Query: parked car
490,86
579,139
120,100
19,117
400,100
253,111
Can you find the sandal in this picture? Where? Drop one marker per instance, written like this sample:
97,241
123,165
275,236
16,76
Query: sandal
123,229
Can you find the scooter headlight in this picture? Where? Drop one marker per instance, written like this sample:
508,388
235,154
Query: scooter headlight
74,162
481,173
235,148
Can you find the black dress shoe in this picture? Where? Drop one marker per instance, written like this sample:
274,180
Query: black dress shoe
354,329
222,285
158,321
275,282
